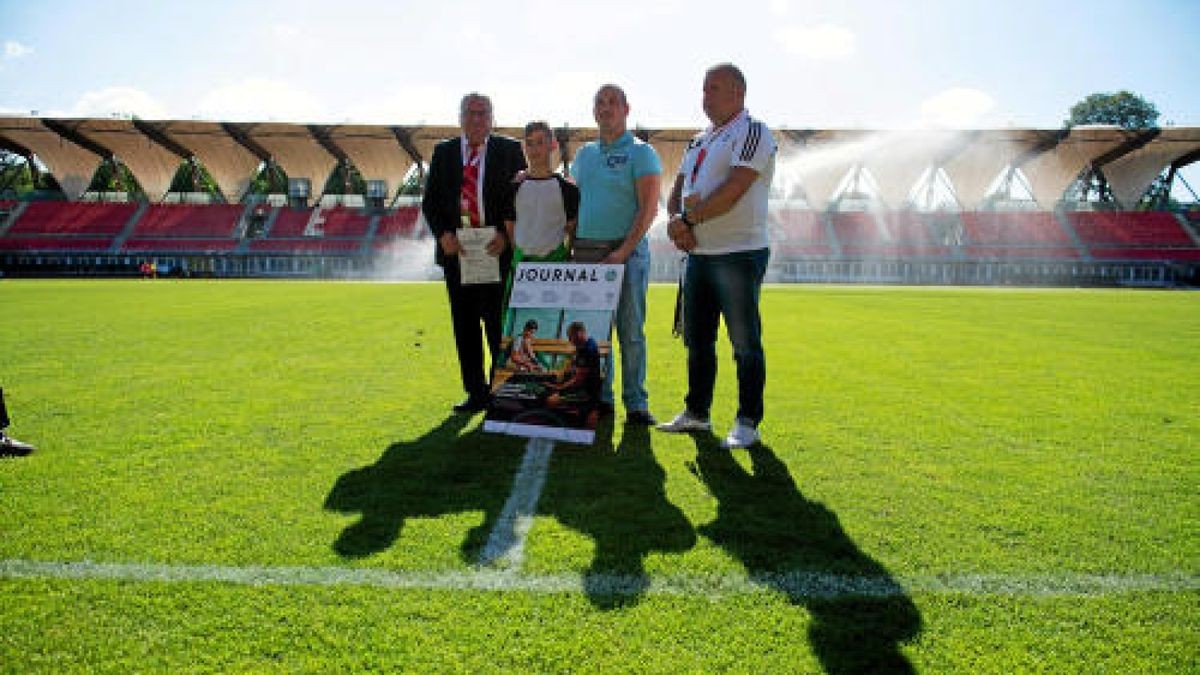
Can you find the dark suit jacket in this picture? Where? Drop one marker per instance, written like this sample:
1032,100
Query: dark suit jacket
441,205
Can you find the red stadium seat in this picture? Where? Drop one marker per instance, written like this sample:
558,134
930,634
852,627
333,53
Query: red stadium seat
73,218
290,222
188,220
399,223
344,222
1013,227
1129,228
895,234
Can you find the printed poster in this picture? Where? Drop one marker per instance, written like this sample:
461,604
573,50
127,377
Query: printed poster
556,347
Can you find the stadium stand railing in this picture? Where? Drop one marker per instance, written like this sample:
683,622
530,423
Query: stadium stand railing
306,246
72,244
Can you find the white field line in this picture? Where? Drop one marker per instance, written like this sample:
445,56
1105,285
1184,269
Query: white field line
505,547
797,585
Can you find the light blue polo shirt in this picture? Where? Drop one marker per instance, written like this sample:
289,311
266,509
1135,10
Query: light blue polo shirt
607,176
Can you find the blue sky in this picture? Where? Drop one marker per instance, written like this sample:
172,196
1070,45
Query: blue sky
850,63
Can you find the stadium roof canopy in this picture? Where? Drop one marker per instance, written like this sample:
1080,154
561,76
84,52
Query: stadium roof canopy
813,161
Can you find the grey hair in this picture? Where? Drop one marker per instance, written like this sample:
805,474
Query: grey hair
732,71
473,96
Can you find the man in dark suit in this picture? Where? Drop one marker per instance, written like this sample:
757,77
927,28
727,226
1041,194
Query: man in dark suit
468,178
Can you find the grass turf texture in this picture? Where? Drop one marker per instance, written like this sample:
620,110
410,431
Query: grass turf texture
910,434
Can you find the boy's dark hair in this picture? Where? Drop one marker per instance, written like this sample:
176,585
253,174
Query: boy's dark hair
531,324
538,125
574,328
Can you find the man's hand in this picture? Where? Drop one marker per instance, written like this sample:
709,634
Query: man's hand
676,227
497,245
449,243
618,256
681,235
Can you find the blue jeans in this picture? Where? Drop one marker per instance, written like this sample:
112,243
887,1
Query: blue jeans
630,321
725,285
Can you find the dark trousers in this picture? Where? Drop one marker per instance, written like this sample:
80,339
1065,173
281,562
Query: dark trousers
3,411
716,286
470,305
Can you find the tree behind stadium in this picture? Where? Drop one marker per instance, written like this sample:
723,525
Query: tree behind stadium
1124,108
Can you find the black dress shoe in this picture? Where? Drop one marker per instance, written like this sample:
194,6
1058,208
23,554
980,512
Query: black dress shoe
11,447
472,404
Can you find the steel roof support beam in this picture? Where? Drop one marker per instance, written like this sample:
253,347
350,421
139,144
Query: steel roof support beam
156,134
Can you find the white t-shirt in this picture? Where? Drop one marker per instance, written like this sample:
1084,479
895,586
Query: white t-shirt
540,209
742,141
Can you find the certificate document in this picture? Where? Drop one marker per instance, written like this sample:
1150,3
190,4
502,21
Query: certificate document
474,263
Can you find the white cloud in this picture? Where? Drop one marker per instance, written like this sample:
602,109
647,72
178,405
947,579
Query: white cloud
285,31
16,50
957,108
258,99
779,7
824,41
408,104
119,101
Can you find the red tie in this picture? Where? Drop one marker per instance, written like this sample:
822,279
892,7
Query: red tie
470,189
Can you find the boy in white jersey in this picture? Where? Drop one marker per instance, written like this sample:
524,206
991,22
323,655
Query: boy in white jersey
541,210
540,215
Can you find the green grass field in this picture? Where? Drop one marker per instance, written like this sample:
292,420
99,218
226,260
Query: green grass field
264,476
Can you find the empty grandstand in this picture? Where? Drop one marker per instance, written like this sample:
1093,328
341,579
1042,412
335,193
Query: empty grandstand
982,207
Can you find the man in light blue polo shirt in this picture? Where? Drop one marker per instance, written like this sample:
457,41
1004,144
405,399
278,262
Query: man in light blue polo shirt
619,178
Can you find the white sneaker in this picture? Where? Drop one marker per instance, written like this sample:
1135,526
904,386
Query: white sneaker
685,421
742,435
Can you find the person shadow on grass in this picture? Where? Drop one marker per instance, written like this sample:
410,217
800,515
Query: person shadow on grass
440,472
859,614
616,497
